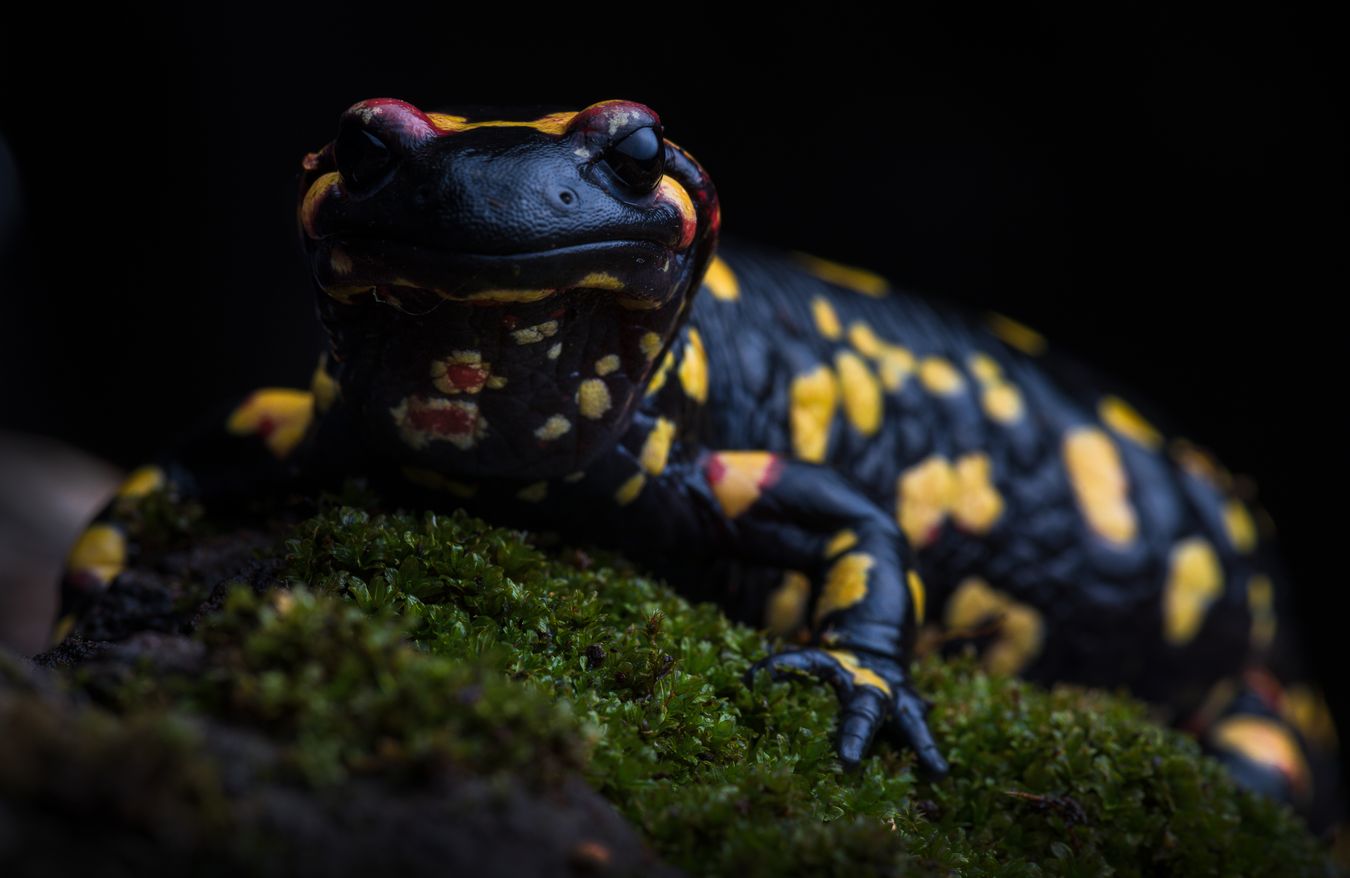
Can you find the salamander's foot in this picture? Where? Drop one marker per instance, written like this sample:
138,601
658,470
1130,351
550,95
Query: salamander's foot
874,693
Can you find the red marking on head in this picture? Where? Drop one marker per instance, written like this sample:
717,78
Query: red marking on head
393,120
443,421
467,378
629,114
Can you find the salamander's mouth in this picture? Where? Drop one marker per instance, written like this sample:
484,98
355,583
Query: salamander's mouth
415,277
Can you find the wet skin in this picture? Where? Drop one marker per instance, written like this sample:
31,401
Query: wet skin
534,319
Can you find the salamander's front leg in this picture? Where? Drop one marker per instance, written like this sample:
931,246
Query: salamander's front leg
865,596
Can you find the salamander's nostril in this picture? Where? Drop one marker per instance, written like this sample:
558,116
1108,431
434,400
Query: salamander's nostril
565,198
362,157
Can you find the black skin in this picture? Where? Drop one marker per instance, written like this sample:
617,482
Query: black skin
435,241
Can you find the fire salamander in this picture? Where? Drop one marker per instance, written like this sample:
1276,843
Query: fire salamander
532,318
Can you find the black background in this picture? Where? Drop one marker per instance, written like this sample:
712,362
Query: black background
1160,192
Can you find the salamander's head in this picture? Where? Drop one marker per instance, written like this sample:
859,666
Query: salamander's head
497,290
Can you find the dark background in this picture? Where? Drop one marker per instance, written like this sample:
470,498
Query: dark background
1162,193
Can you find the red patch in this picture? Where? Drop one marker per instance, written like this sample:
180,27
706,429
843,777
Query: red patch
266,426
716,470
447,421
467,378
771,472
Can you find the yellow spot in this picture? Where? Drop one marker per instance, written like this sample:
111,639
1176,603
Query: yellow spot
1306,709
827,321
785,611
656,447
1241,529
985,368
537,333
629,490
840,542
279,415
1261,604
814,396
431,479
1121,417
507,296
1265,741
736,478
1100,484
553,123
1018,335
607,364
534,493
142,480
861,676
940,376
976,503
600,280
1002,402
324,387
1021,630
1194,581
496,382
658,379
721,282
555,426
918,596
862,393
864,340
1201,464
100,552
694,368
319,190
554,350
860,280
896,364
650,345
923,496
593,398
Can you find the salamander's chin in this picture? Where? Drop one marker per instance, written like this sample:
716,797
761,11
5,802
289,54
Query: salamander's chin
640,274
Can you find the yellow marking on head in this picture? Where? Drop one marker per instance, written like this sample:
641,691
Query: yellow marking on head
841,542
554,350
1240,526
669,191
864,340
785,611
318,190
976,503
1194,581
985,368
650,345
896,365
428,478
1265,741
861,676
923,496
1002,402
1261,605
656,447
742,473
721,282
918,595
1121,417
607,364
280,415
1018,335
507,296
658,379
555,426
601,280
143,480
939,376
694,368
1021,629
827,321
1306,709
536,333
860,280
534,493
593,398
100,552
553,123
630,489
813,398
324,387
1100,484
861,392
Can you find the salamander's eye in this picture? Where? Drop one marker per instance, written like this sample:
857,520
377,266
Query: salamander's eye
638,159
362,158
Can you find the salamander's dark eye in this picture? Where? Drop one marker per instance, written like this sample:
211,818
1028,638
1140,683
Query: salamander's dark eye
638,159
362,158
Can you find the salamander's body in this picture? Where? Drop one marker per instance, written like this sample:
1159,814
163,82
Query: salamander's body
533,319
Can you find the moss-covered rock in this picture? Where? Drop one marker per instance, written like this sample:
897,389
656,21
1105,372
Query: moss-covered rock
393,658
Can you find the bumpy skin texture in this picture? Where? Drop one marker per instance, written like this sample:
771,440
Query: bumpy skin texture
527,318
